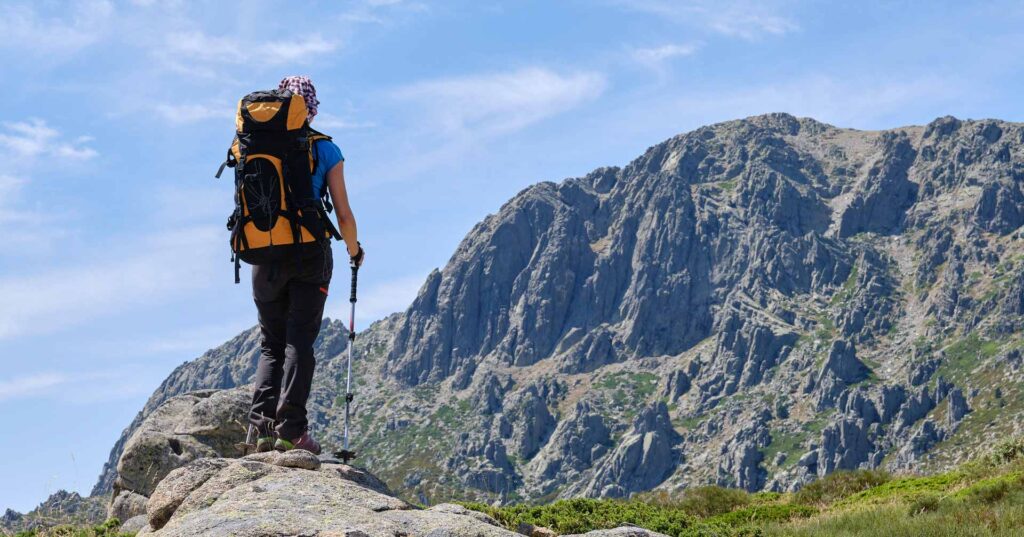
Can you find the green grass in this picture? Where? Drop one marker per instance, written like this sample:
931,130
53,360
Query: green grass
628,390
110,528
581,515
984,497
840,485
848,289
966,354
784,442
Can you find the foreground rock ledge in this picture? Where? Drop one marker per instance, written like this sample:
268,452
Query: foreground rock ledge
295,493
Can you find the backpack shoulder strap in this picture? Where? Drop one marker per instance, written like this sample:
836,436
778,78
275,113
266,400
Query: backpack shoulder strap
316,136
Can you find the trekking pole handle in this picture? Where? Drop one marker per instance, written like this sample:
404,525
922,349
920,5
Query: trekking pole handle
355,278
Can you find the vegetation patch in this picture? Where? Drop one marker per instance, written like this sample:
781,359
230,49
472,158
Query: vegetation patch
785,442
839,485
965,354
110,528
585,514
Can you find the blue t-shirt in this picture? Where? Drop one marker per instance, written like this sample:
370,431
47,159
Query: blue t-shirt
328,155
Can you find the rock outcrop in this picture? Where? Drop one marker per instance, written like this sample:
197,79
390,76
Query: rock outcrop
643,459
296,493
206,423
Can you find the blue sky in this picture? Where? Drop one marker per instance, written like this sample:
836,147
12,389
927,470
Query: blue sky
115,115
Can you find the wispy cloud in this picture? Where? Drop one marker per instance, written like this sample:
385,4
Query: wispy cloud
329,121
500,102
23,145
656,58
745,19
72,28
157,268
31,385
200,47
77,386
186,113
378,11
34,138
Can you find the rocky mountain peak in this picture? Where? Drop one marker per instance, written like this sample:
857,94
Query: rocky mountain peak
754,303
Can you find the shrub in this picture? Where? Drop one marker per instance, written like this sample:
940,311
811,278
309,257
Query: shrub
581,515
990,492
765,513
925,503
110,528
1007,450
839,485
709,501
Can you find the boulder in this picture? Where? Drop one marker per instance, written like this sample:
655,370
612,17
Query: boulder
187,427
127,505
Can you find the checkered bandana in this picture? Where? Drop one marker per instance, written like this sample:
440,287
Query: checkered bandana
302,85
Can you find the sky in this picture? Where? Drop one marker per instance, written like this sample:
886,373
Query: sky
115,115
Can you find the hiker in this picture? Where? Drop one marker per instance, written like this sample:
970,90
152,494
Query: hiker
290,296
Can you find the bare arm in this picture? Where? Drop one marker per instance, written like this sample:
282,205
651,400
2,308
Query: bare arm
346,220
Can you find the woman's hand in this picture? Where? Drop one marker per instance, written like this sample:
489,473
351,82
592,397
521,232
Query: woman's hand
356,259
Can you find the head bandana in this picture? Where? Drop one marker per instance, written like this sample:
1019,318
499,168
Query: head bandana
302,85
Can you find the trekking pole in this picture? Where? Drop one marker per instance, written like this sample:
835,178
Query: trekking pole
346,454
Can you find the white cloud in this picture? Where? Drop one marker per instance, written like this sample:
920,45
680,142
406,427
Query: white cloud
199,47
663,53
745,19
192,113
500,102
158,267
76,387
29,386
23,144
371,11
76,26
327,121
34,138
656,57
277,52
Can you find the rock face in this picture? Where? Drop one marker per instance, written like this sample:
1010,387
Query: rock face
186,427
804,297
295,493
643,459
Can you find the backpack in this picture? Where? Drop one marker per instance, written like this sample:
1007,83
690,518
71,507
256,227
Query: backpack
276,212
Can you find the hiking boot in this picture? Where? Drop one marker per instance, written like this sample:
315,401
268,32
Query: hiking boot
305,442
264,444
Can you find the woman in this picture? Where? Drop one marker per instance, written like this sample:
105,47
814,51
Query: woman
290,300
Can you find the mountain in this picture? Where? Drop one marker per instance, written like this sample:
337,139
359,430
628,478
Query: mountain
62,507
755,303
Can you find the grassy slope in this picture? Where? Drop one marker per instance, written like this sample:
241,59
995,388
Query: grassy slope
981,498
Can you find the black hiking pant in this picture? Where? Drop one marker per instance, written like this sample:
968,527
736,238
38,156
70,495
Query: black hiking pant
290,298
